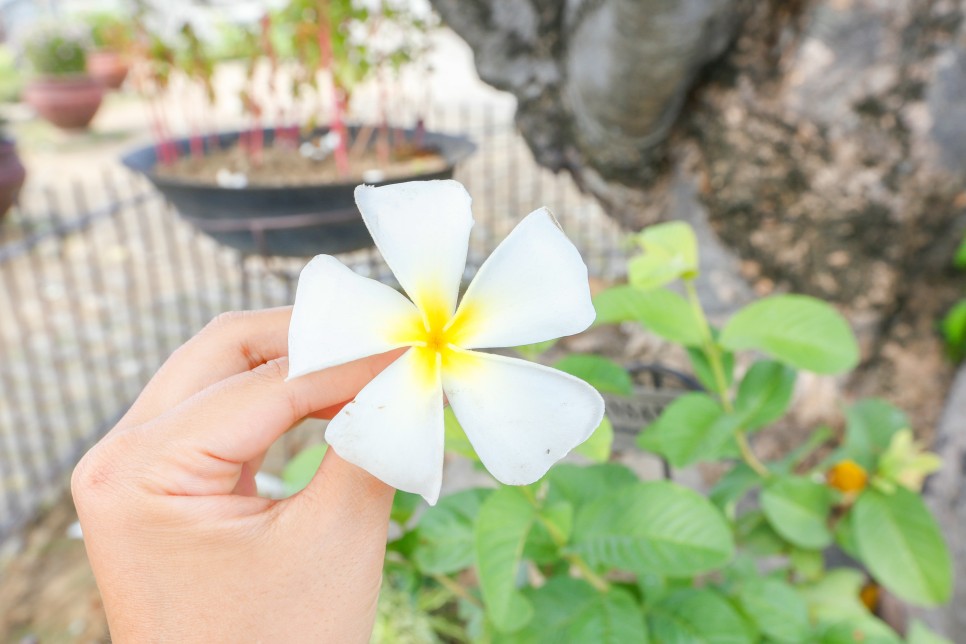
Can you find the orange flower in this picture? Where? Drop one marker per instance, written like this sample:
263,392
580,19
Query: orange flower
847,476
869,595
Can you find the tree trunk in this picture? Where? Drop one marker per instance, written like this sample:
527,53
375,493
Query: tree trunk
599,82
827,143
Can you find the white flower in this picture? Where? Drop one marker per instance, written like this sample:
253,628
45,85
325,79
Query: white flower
520,417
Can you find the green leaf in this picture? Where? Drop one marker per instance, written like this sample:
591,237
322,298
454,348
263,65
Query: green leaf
582,485
502,525
870,426
690,429
404,504
660,311
776,609
555,524
652,587
900,542
732,487
598,446
655,527
809,564
798,510
959,259
835,597
445,537
860,630
845,536
535,350
755,534
405,545
698,617
764,393
919,633
604,375
801,331
456,440
702,368
570,610
670,252
816,439
299,471
953,327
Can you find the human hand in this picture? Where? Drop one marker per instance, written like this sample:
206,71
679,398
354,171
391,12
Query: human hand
181,547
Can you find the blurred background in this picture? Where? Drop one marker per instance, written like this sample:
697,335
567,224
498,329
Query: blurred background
162,162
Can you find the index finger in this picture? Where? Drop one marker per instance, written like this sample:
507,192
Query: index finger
200,447
231,344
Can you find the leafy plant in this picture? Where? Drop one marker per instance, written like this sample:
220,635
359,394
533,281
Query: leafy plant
11,79
591,553
110,30
317,49
55,50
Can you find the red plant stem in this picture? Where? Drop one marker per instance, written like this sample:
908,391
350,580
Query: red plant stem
155,131
213,142
420,137
167,153
259,141
383,144
172,149
197,145
294,127
341,153
289,134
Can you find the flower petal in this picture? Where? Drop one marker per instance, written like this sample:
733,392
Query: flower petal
341,316
394,427
422,229
521,417
532,288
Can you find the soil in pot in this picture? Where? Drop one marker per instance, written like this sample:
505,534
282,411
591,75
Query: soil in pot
12,175
285,166
107,67
69,102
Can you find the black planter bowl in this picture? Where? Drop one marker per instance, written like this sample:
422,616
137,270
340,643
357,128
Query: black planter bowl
294,221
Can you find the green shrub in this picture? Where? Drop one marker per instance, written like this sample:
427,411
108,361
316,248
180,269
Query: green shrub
53,50
11,80
590,553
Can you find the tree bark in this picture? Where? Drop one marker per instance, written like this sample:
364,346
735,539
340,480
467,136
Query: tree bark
599,82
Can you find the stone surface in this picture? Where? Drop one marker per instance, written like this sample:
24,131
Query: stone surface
946,496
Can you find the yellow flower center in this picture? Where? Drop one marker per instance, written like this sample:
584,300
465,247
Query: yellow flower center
435,336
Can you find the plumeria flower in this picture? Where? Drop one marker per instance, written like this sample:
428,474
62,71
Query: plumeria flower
520,417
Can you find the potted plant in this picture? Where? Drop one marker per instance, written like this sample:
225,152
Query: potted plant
12,172
111,36
61,91
283,186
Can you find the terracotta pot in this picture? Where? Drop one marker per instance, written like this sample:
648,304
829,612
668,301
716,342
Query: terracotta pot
109,68
12,174
69,102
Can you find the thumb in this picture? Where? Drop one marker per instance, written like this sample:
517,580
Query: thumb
340,524
340,490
